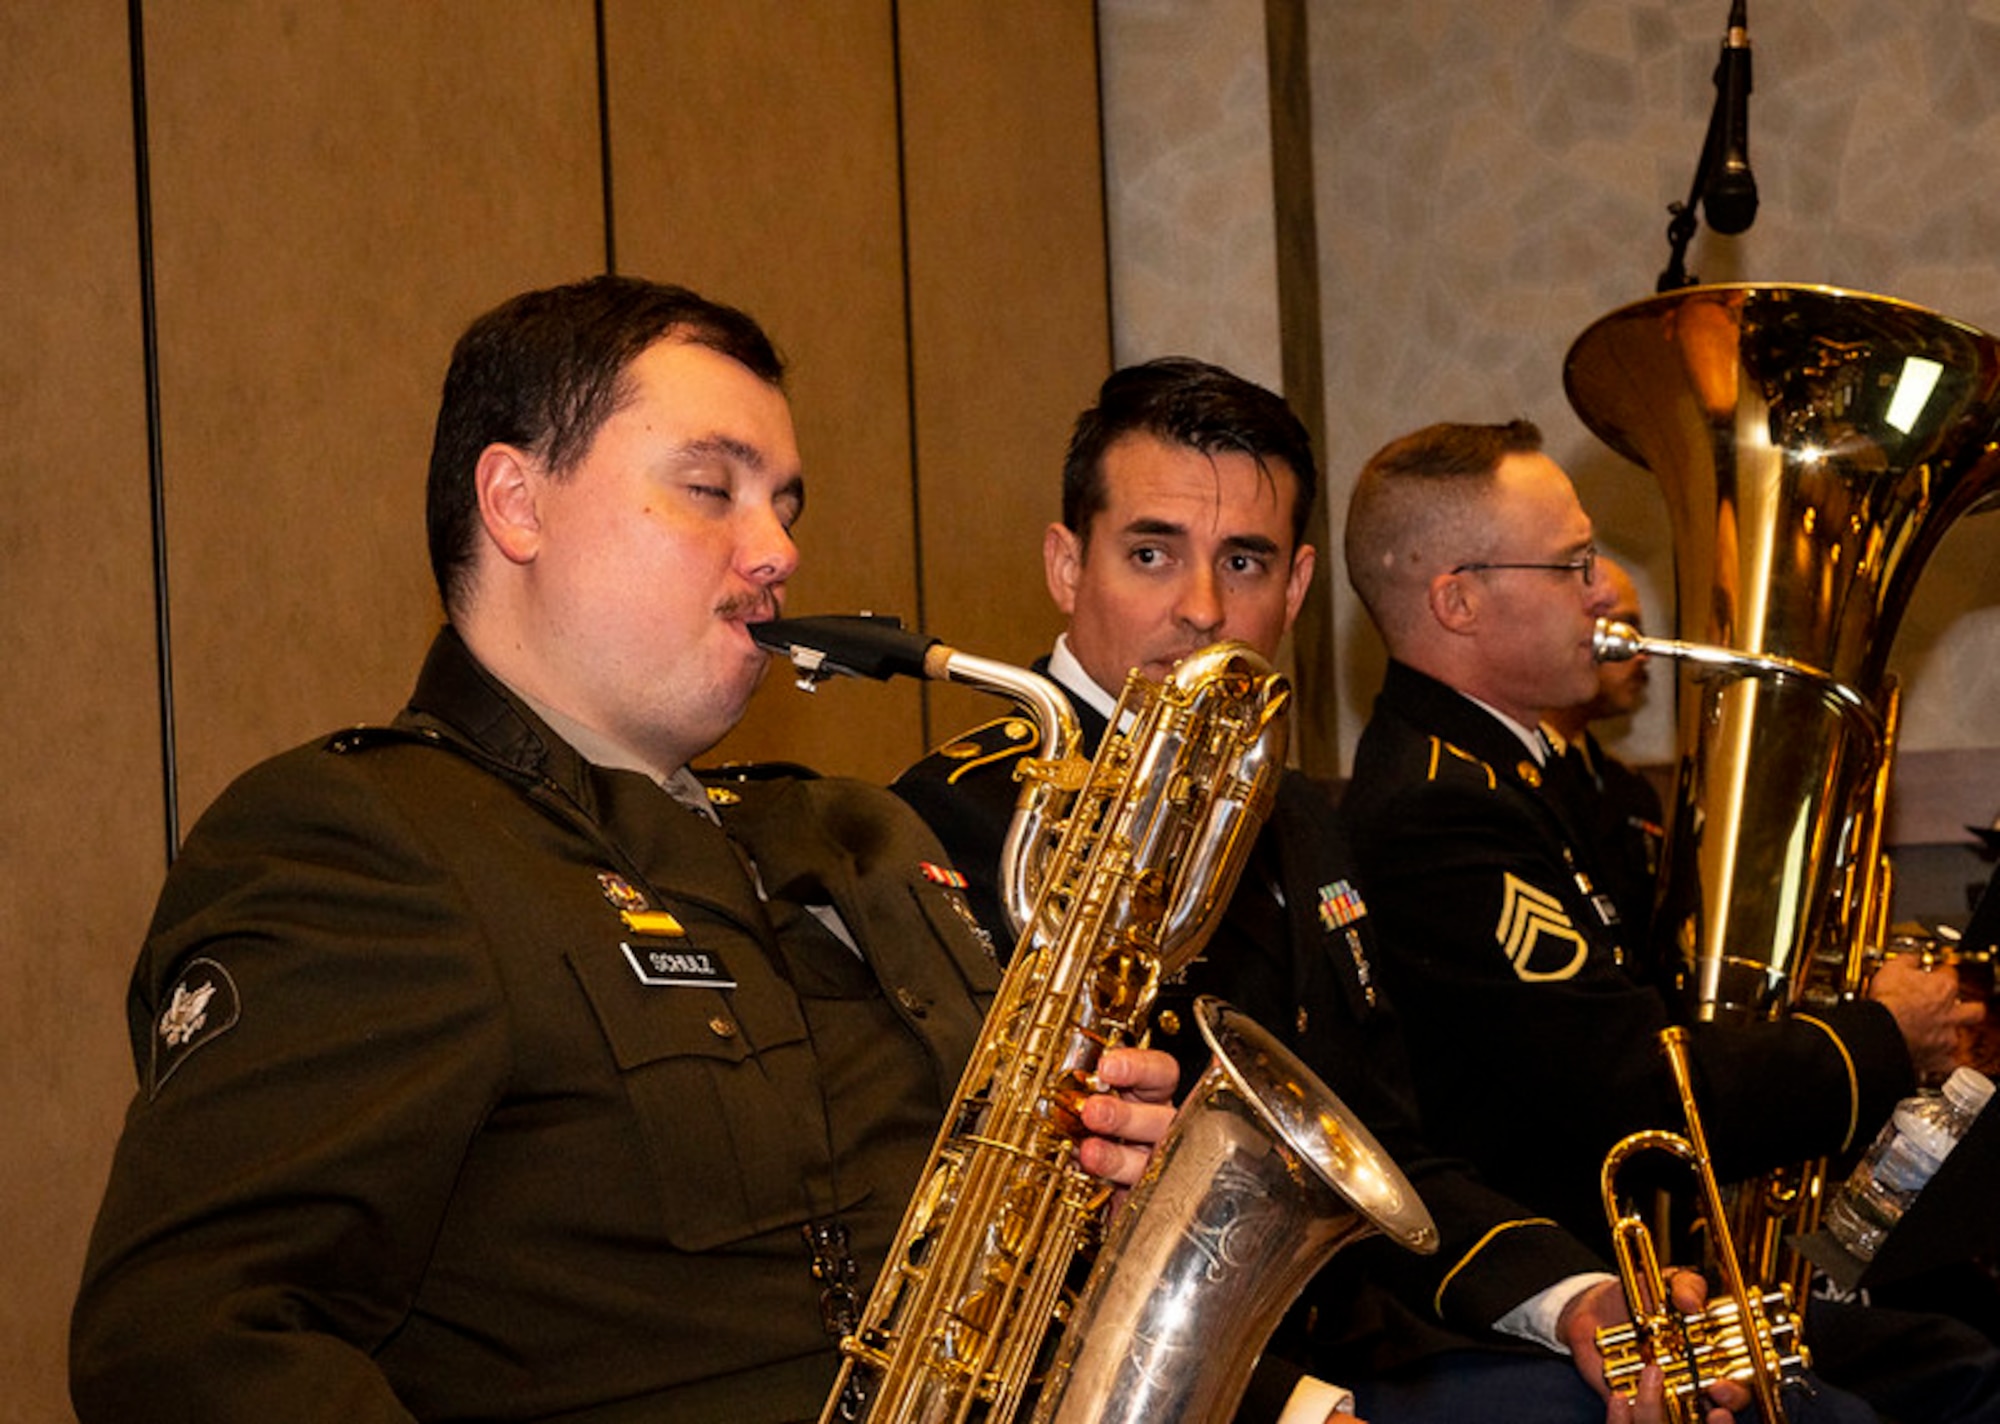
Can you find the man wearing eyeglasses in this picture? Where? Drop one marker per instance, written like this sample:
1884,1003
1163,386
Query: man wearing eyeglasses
1534,1039
1618,808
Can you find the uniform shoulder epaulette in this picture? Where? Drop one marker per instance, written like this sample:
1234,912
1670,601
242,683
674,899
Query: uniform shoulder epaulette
1446,759
747,772
366,736
999,740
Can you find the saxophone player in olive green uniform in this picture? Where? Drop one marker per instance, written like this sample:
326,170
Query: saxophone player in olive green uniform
493,1066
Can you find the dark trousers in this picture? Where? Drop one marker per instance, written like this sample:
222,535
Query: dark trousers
1471,1386
1914,1368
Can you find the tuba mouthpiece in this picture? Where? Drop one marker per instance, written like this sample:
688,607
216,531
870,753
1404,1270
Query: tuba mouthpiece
1615,642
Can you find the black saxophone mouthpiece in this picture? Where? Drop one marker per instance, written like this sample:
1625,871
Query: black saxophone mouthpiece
874,645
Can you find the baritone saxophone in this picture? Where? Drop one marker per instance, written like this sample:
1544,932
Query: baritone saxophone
1116,870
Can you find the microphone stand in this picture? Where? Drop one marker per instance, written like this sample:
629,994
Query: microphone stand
1681,228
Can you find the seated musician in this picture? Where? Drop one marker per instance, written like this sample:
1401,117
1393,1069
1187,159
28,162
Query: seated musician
1186,496
1533,1033
490,1065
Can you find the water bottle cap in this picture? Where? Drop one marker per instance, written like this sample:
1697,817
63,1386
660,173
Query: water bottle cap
1968,1089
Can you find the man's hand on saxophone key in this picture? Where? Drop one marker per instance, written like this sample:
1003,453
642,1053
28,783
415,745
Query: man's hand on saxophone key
1126,1122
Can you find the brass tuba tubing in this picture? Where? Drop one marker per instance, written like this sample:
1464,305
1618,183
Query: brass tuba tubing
1615,642
1813,446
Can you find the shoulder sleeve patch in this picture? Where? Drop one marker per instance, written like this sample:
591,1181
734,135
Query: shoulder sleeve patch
201,1007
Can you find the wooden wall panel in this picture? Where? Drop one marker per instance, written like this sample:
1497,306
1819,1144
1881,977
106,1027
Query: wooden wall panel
754,153
337,191
82,838
1009,313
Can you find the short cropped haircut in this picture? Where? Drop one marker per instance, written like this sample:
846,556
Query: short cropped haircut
1420,492
1185,402
543,372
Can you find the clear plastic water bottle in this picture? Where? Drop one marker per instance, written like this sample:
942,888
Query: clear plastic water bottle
1919,1135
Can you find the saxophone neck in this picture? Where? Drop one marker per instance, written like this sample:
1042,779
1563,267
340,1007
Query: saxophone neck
1049,783
879,647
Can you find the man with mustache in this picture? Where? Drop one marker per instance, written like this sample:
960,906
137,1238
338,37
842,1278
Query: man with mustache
492,1064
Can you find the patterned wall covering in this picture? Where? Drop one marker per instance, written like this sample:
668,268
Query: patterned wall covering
1493,178
1187,120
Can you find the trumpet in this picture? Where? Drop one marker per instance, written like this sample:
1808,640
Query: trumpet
1746,1334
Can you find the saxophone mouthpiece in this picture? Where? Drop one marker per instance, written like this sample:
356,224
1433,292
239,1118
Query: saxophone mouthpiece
873,645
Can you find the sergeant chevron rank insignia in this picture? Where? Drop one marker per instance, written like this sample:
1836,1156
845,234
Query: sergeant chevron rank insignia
1536,934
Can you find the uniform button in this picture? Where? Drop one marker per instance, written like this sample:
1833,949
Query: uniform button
1169,1022
722,1027
915,1006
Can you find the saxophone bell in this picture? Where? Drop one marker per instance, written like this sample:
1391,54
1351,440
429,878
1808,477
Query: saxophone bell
1264,1175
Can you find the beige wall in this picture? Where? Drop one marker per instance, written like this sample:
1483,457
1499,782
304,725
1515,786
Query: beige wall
1490,179
908,195
81,844
1493,178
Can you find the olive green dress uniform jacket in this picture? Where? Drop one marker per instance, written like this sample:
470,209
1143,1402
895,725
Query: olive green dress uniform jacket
1295,951
1534,1035
426,1129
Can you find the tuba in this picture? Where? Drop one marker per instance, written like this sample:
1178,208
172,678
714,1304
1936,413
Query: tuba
1813,445
1264,1174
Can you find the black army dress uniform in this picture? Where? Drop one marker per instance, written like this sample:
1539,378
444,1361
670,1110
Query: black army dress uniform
1534,1039
1296,952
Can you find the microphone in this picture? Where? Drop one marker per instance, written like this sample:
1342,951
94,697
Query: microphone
1730,200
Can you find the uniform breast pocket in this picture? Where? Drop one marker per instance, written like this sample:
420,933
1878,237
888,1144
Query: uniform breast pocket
734,1154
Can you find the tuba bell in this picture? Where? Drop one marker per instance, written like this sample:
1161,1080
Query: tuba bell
1813,446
